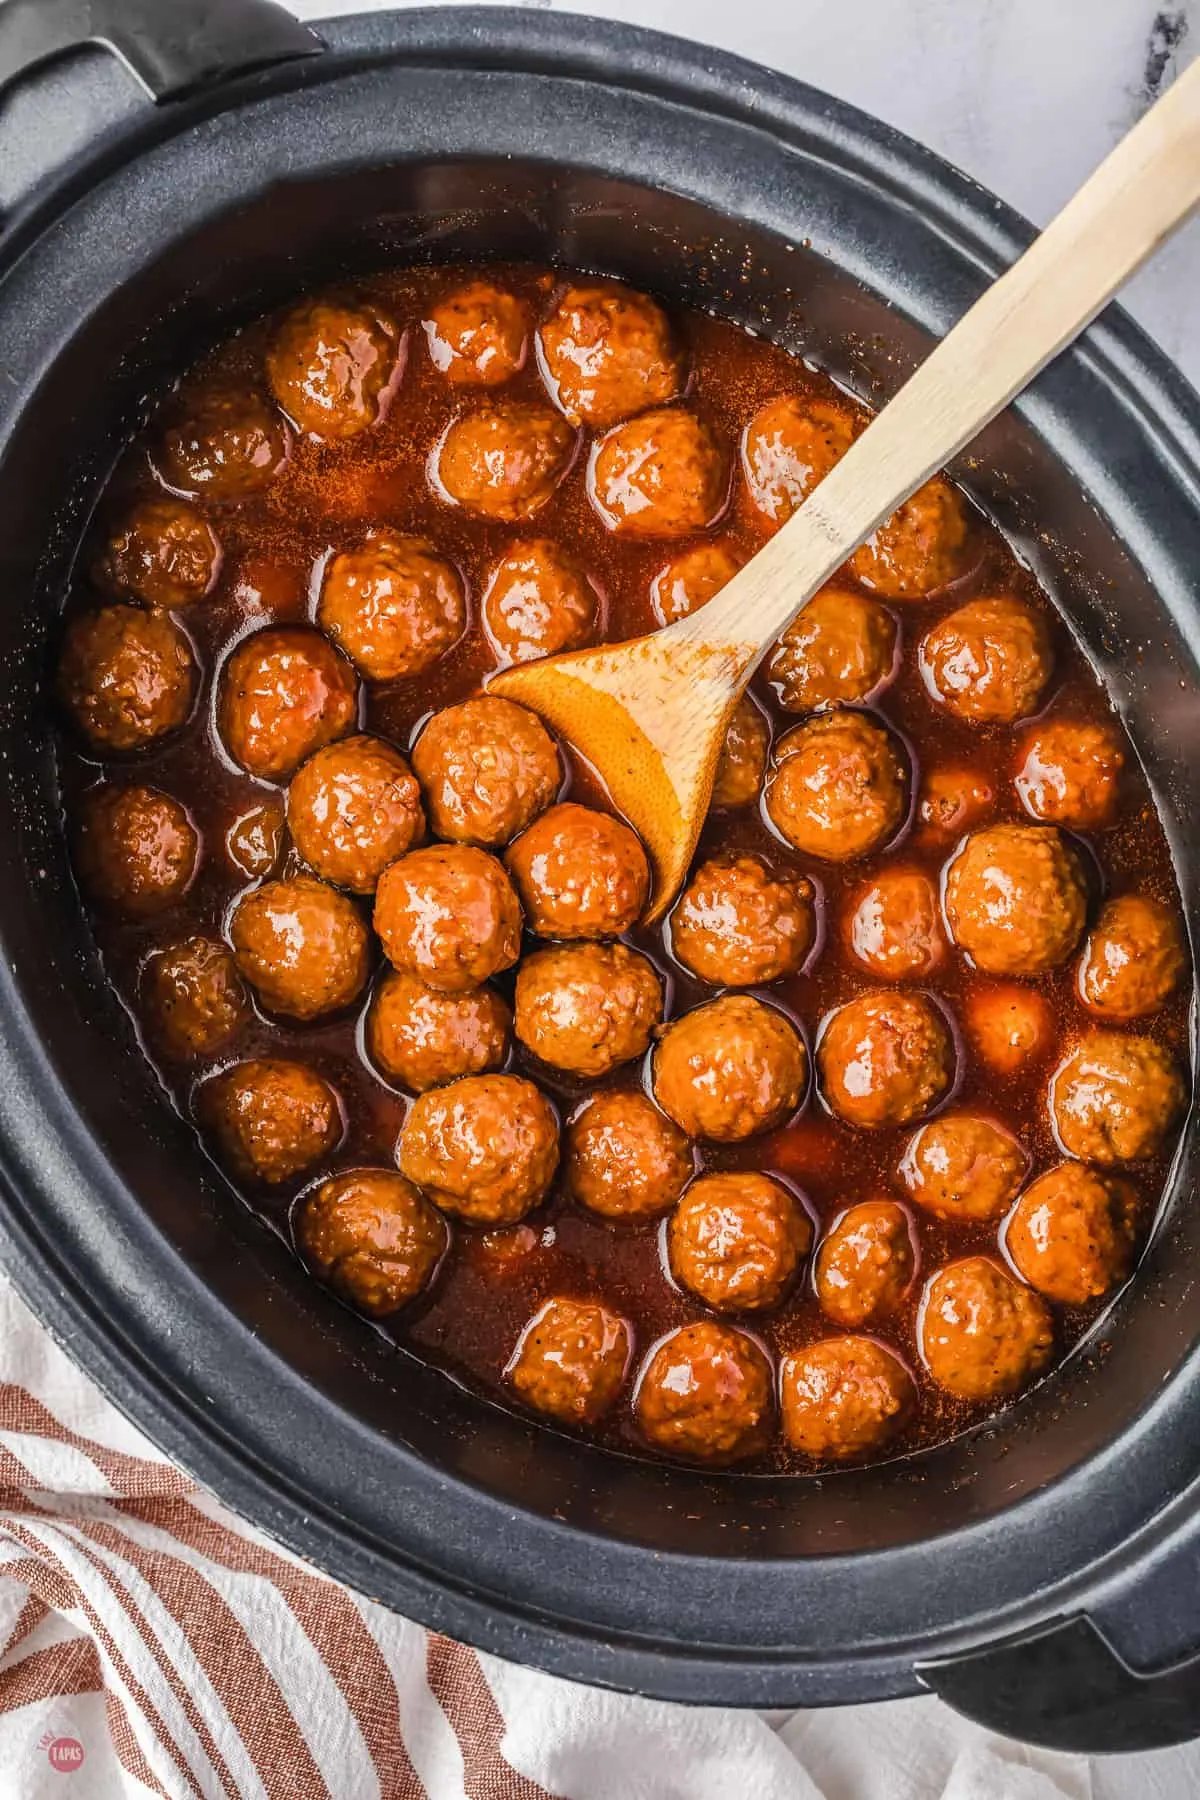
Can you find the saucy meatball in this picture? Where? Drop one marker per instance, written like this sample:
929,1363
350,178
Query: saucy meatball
193,996
982,1334
839,787
586,1008
920,548
538,602
352,809
739,924
1133,958
394,607
1015,899
1072,1233
137,850
231,444
953,799
477,335
1070,774
449,916
485,1147
743,759
730,1069
126,677
301,945
1010,1027
840,649
705,1394
895,925
580,873
571,1360
884,1059
624,1159
866,1263
964,1166
272,1120
663,474
736,1240
486,768
690,580
284,693
165,553
989,661
332,365
373,1238
503,461
844,1397
789,446
422,1037
1114,1098
607,352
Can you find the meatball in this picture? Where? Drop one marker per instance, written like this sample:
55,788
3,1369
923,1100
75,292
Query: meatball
1133,958
301,945
137,850
844,1397
571,1360
1070,774
690,580
989,661
705,1394
953,800
192,997
663,474
373,1238
486,768
538,602
1072,1233
738,924
730,1069
477,335
1114,1098
587,1008
789,446
964,1167
736,1241
884,1059
840,649
284,693
866,1263
254,840
421,1037
272,1120
607,352
504,460
332,366
920,548
1009,1026
743,759
839,786
126,677
982,1335
352,809
894,928
580,873
485,1147
394,607
231,444
1015,899
624,1160
165,553
449,916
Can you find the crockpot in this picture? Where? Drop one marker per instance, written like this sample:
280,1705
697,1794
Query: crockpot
1043,1573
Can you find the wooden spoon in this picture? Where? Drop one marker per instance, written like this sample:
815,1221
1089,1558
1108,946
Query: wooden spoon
651,715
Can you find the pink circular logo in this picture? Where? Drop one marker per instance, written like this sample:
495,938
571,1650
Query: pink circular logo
65,1754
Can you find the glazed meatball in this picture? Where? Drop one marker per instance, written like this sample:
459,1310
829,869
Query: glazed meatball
449,916
705,1394
503,461
736,1241
332,366
607,352
1114,1098
989,661
789,446
840,649
486,768
477,335
538,601
895,925
661,475
587,1008
485,1147
730,1069
982,1334
953,800
1009,1026
193,998
964,1166
571,1360
1133,958
839,787
866,1263
301,945
165,553
844,1397
690,580
738,924
352,809
624,1160
1070,774
272,1120
920,548
743,759
137,850
1015,899
373,1238
394,607
1072,1233
254,841
230,445
421,1037
284,693
580,873
884,1059
126,677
